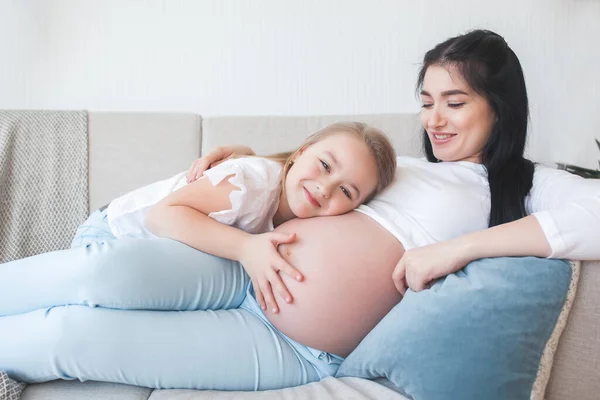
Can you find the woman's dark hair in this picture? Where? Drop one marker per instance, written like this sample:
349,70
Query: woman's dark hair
493,70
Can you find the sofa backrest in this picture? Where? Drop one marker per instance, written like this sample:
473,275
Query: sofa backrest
129,150
267,135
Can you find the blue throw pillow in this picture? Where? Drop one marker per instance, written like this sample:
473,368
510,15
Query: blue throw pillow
476,334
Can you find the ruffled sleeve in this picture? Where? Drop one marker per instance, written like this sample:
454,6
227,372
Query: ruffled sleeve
255,203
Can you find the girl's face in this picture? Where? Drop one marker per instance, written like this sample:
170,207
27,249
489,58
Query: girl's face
330,177
458,120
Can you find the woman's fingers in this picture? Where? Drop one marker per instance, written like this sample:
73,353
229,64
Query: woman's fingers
212,159
399,277
191,175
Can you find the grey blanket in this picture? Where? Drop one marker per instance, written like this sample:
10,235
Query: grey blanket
10,389
43,180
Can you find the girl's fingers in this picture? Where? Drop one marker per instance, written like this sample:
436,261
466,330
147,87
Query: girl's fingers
280,287
269,298
281,237
284,266
259,296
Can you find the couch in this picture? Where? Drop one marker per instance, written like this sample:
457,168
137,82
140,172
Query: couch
139,148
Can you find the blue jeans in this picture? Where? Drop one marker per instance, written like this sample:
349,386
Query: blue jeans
90,313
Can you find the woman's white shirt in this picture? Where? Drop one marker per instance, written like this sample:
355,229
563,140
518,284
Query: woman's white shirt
253,206
432,202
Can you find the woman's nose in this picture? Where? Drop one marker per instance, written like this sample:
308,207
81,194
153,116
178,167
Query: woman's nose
436,119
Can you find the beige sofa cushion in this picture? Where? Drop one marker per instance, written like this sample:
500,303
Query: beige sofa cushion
576,370
268,135
129,150
75,390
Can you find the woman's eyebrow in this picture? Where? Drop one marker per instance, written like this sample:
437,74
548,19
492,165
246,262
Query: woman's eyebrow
452,92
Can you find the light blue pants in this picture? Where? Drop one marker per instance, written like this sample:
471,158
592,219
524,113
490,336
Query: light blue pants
86,313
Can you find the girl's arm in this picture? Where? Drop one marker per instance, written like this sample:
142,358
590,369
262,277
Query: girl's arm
183,216
565,223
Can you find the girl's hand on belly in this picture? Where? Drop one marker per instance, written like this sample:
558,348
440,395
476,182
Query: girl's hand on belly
263,263
347,263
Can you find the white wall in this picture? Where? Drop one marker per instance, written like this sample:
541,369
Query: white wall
257,57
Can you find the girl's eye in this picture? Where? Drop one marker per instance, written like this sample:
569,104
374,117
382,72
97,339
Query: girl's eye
325,165
455,105
346,192
426,105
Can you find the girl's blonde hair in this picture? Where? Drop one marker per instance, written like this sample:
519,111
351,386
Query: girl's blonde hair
378,143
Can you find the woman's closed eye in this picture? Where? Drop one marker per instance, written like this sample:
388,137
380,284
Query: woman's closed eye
325,165
456,105
427,105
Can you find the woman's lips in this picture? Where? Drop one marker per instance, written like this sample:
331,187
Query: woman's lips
311,199
441,137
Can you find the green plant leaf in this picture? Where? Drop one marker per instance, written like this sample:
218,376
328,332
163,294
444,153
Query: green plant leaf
598,143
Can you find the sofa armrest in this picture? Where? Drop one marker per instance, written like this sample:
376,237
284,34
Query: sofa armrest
576,370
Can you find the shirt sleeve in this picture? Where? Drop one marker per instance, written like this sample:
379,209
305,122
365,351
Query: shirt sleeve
568,209
257,180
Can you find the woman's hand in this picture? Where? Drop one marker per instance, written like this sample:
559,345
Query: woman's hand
214,158
419,267
262,262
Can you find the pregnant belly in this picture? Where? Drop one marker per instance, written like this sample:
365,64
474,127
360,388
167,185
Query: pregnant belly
347,262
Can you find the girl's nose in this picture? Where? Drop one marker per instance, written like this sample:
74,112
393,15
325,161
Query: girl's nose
324,189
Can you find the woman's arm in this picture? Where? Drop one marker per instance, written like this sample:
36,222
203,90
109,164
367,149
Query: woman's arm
420,266
214,158
567,208
565,223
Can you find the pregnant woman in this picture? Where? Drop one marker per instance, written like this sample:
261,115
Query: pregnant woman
474,196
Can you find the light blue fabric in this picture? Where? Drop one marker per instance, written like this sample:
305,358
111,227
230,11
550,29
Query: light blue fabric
220,350
94,229
326,363
69,314
476,334
150,274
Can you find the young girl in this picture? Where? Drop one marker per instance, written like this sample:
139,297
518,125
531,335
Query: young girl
230,213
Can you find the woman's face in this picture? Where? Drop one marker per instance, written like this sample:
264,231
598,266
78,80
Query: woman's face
458,120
